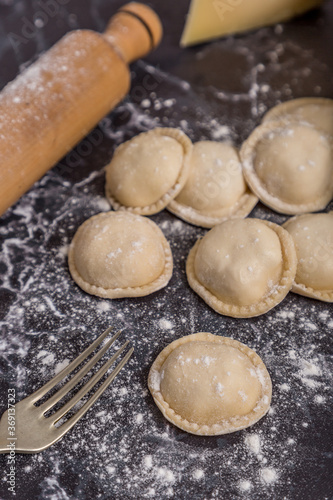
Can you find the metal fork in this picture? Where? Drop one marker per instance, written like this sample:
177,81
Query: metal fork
24,427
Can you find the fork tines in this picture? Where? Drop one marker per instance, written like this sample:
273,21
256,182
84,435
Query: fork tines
77,378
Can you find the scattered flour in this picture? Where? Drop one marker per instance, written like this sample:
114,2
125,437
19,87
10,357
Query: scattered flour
148,461
253,442
198,474
166,474
285,387
103,306
124,448
165,324
139,418
244,485
310,369
268,475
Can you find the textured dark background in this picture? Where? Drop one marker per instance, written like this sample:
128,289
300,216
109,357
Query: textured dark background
123,448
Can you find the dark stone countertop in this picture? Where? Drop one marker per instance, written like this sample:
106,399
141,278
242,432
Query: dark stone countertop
123,448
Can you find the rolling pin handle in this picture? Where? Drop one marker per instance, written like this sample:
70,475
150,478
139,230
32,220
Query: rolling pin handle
134,31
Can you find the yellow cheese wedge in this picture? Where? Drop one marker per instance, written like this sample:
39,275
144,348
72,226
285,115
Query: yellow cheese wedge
208,19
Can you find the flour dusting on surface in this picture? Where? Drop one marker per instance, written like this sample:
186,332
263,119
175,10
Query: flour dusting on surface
124,448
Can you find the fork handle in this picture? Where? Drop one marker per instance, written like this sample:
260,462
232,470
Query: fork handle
5,439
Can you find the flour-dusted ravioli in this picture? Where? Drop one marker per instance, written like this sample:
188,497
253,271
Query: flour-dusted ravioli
148,171
210,385
316,111
215,189
289,166
313,238
119,254
243,268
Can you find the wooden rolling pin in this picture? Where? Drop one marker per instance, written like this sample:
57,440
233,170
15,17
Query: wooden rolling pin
59,99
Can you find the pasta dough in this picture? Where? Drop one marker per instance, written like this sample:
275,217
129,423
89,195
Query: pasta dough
313,238
148,171
243,268
316,111
289,166
215,189
210,385
118,254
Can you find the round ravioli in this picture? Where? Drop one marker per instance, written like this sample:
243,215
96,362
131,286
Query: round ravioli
148,171
215,189
210,385
243,268
316,111
289,166
118,254
313,238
